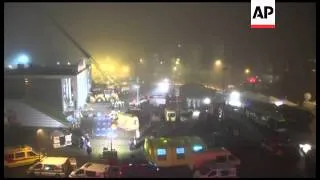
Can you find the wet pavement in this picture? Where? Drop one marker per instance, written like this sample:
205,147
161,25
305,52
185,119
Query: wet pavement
255,162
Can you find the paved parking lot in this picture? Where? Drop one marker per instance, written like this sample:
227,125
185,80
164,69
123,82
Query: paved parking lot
254,161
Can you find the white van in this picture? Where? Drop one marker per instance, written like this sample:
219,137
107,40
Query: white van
216,171
51,167
20,156
91,170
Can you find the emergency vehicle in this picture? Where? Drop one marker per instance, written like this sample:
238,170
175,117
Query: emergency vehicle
52,167
214,156
169,152
91,170
189,151
225,170
20,156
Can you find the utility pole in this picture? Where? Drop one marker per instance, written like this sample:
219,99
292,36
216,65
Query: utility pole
177,93
138,87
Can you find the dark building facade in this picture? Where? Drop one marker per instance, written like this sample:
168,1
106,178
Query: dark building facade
61,88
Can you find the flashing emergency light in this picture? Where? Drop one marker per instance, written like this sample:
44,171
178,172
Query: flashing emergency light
252,80
234,99
197,148
161,152
180,150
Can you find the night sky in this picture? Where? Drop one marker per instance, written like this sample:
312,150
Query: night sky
125,30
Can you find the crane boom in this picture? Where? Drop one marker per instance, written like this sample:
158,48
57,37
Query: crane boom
82,50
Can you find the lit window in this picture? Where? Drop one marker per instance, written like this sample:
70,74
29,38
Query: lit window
180,153
180,150
162,154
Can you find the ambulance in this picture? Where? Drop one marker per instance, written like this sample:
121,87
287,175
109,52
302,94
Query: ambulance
59,167
20,156
170,152
185,151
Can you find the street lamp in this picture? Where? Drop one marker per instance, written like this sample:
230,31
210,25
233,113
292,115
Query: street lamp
141,61
174,68
40,134
218,63
126,69
177,61
247,71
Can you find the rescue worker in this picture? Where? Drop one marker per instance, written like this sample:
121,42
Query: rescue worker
89,149
82,139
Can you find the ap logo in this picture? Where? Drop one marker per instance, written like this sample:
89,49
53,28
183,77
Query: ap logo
263,14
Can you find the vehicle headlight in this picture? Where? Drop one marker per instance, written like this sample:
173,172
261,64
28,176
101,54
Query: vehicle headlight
206,100
305,147
195,113
235,99
278,103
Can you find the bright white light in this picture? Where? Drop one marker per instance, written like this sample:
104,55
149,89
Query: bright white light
207,101
58,63
163,87
166,80
278,103
10,66
137,133
69,63
195,114
23,59
136,86
234,99
305,147
234,95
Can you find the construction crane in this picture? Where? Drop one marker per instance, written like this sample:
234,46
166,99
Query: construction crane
89,57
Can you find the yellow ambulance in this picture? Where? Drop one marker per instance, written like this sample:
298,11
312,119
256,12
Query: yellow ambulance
177,151
20,156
